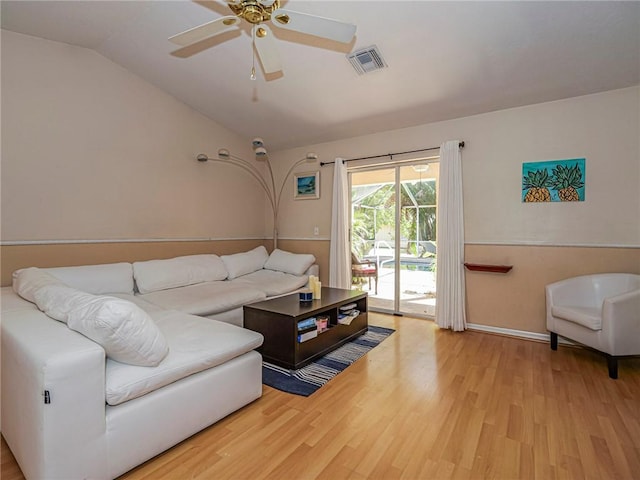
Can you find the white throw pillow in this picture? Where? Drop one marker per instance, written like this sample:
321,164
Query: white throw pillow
125,331
240,264
29,280
293,263
58,300
154,275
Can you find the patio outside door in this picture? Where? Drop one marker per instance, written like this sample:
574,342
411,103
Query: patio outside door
393,226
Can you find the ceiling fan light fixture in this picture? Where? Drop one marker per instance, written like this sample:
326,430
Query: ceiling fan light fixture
254,11
252,14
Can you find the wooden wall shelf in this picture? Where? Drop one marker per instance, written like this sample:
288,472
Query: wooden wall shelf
478,267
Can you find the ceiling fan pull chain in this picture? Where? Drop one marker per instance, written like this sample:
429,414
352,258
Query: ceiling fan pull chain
253,53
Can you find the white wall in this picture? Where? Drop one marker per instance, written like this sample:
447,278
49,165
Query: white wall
603,128
90,151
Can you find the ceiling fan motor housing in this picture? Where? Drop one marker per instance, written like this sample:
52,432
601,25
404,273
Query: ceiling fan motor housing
253,11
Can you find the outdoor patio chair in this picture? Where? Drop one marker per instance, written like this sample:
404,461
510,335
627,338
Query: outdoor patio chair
364,269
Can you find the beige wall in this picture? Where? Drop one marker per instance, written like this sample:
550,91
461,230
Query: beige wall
92,152
516,300
544,242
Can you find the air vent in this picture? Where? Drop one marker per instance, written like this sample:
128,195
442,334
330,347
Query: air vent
367,60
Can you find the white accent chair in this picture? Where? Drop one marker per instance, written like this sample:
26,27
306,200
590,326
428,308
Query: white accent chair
601,311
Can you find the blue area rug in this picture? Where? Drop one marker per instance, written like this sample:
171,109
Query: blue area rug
307,380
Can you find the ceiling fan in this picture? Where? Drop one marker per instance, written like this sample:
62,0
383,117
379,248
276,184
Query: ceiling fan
258,12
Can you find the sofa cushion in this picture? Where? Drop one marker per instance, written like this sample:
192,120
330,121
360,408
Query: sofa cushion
195,344
586,316
205,298
96,279
240,264
154,275
293,263
271,282
10,302
125,331
139,301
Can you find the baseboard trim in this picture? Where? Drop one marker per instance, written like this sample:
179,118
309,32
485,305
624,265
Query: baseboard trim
540,337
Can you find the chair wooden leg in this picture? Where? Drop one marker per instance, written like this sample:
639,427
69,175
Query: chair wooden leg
554,340
612,363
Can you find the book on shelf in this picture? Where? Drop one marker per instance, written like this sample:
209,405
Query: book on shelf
322,322
303,337
347,317
307,323
350,306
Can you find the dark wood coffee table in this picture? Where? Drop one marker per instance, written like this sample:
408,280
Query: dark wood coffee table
277,320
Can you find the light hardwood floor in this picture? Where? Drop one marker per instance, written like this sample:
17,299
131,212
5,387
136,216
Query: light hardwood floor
426,404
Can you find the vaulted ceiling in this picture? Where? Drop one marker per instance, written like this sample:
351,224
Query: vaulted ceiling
445,59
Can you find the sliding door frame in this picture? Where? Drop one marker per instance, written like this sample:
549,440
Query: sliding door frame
396,166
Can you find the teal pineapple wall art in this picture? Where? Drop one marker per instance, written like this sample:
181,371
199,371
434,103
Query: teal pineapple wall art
553,181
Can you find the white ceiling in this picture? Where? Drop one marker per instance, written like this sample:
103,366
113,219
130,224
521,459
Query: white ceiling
446,59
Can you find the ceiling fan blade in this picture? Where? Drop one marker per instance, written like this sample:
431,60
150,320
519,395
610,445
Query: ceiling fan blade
314,25
267,49
204,31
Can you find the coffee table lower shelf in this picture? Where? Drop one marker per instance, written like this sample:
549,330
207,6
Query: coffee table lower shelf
277,320
315,348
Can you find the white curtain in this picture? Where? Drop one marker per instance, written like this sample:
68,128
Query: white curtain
339,250
450,290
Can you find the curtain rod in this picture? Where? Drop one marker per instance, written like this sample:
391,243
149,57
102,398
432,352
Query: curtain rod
390,155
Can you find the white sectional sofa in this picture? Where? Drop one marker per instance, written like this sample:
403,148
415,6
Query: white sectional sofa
106,366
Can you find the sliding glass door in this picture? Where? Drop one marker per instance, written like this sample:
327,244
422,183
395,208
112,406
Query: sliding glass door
418,236
393,236
373,222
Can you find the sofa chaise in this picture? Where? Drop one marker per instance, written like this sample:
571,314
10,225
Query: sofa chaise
106,366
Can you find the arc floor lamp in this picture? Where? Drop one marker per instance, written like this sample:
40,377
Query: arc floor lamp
267,183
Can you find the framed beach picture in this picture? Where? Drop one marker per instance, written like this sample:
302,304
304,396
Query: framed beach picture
306,185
